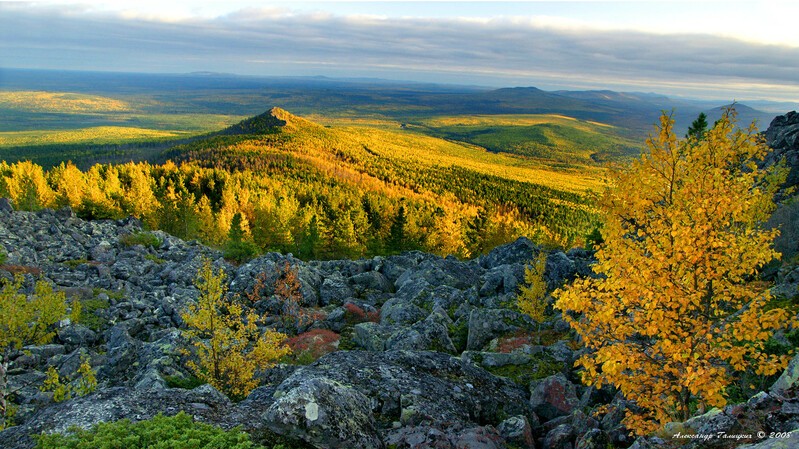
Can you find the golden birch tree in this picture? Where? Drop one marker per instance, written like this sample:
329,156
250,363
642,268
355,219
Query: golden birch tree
676,311
228,347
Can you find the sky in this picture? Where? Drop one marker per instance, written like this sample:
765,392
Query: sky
714,49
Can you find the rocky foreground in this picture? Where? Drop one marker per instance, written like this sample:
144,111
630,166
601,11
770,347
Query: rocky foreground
431,353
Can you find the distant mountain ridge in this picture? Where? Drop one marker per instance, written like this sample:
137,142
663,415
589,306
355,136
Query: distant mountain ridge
401,101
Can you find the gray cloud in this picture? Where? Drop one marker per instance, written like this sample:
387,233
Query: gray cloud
498,51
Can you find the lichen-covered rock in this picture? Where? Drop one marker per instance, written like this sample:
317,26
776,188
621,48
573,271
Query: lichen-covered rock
593,439
487,324
399,311
788,379
519,252
419,387
77,335
430,334
334,290
516,430
561,437
371,336
553,396
325,413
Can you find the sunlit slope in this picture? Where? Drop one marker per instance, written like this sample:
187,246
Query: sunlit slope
554,138
30,110
93,135
373,151
60,102
458,178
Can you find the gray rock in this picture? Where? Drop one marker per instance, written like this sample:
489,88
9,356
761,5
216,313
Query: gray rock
428,334
419,387
122,354
782,136
371,336
372,280
593,439
519,252
77,335
553,396
44,352
334,290
559,269
516,430
788,379
5,205
560,351
398,311
421,437
325,413
477,438
711,422
561,437
487,324
103,252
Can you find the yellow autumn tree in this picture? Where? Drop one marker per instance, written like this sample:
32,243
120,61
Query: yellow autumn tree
24,320
228,347
676,311
532,296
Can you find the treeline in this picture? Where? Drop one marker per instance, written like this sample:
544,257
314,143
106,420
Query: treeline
311,216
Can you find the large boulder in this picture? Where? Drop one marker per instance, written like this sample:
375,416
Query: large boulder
430,334
519,252
334,290
399,388
516,430
325,413
487,324
553,396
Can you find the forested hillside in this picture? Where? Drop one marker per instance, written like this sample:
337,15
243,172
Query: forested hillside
280,182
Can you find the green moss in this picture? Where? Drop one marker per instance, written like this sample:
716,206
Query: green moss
185,382
459,334
90,316
75,263
346,342
538,368
179,431
154,258
117,295
140,238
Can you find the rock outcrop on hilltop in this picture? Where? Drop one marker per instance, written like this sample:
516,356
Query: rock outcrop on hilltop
442,361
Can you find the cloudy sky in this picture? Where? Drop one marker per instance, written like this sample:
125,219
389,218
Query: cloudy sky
715,49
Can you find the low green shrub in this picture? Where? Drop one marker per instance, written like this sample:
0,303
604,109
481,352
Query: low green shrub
185,382
89,315
161,432
140,238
